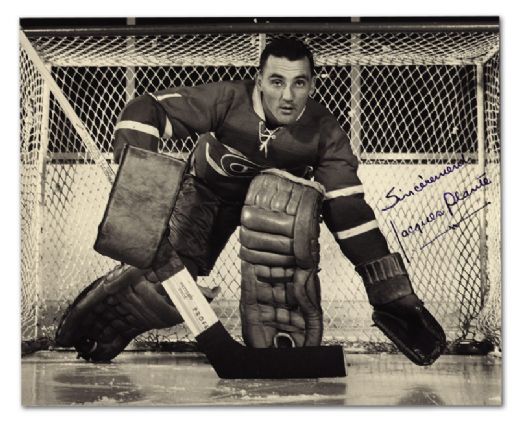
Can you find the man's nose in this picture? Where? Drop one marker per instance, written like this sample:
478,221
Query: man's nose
288,94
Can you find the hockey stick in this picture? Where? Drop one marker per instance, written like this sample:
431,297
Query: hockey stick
229,358
232,360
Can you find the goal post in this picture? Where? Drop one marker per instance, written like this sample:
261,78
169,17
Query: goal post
416,100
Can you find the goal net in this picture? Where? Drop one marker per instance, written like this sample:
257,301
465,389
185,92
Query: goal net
414,104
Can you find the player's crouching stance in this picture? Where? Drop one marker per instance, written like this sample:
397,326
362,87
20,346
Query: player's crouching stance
247,127
280,300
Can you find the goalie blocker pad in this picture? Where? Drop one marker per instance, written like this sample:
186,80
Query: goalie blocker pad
280,291
140,205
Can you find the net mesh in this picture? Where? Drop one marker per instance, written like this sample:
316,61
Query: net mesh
409,101
489,320
31,121
244,49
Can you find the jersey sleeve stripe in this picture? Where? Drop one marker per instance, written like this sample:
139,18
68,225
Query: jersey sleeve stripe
166,96
140,127
355,231
347,191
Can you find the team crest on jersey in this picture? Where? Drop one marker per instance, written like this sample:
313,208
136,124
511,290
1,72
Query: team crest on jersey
238,166
230,163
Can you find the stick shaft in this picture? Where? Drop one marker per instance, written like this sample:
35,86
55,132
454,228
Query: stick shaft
190,302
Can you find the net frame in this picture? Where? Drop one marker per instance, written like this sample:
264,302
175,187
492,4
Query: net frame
487,49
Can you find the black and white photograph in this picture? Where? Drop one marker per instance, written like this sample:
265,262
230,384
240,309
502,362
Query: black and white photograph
251,212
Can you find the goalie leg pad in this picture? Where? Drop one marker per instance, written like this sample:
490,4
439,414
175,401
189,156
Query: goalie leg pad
113,310
280,290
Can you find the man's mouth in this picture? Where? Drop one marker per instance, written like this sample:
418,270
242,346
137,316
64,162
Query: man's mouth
287,109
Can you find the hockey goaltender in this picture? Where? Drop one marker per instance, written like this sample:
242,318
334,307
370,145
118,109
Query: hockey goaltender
261,143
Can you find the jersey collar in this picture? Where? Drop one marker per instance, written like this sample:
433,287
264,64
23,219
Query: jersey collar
256,103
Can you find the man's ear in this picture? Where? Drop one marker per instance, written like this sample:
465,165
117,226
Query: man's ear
258,79
312,85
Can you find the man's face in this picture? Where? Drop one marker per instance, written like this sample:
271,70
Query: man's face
285,86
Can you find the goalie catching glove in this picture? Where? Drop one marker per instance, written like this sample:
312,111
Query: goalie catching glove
399,313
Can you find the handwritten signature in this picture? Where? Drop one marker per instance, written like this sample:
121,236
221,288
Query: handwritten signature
455,226
422,185
450,200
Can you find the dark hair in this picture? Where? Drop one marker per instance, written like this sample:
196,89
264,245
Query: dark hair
289,48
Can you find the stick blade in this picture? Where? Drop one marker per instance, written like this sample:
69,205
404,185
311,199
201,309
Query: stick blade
299,362
232,360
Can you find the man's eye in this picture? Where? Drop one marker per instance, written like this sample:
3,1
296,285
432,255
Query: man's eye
276,83
300,83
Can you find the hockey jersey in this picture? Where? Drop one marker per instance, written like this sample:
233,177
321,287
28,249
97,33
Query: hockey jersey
237,143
